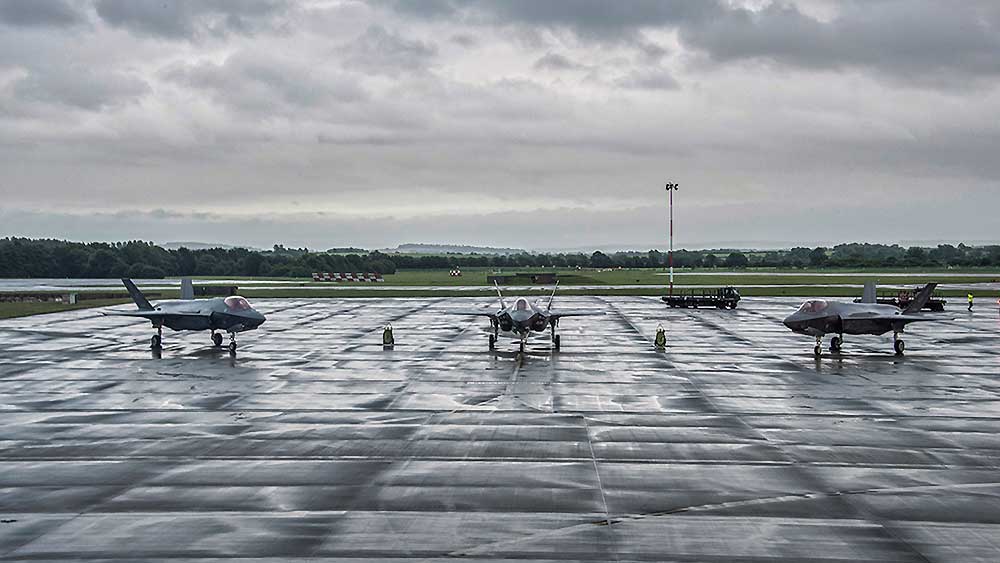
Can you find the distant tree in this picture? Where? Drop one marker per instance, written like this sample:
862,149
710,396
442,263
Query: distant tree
737,260
818,257
710,261
600,260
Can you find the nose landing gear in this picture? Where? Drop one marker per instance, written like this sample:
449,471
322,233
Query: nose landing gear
835,344
156,342
232,343
818,350
388,340
897,344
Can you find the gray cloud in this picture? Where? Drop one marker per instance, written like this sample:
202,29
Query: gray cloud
594,18
380,51
557,62
190,18
40,13
262,82
921,40
649,79
80,87
434,121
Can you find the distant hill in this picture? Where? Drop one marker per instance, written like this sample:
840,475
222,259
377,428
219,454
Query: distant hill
450,249
199,246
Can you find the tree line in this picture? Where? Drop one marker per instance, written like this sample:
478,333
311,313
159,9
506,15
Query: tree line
47,258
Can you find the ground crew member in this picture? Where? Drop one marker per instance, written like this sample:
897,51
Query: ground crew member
970,301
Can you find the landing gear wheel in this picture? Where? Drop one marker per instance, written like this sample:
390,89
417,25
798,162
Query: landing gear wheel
493,342
835,343
217,339
232,347
899,346
155,342
556,342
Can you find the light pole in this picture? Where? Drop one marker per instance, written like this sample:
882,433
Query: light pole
671,188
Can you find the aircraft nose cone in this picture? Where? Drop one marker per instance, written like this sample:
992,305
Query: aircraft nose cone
254,318
791,322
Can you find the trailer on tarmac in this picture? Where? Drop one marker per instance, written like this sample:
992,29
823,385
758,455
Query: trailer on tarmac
720,297
902,297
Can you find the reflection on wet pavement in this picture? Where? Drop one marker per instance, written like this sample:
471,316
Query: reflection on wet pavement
733,444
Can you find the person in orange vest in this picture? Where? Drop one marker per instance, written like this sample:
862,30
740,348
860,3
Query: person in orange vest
970,301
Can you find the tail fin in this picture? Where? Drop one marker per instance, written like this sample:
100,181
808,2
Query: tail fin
869,295
552,297
187,289
499,294
921,299
140,300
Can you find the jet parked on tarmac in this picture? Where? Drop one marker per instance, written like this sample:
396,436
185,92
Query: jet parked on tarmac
229,314
818,317
524,317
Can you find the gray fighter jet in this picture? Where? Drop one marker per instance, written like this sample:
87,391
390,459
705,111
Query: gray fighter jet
524,317
818,317
229,314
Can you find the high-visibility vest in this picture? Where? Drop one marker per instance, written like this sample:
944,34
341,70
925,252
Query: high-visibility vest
970,298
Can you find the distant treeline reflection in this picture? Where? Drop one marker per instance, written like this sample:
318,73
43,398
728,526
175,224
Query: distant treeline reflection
44,258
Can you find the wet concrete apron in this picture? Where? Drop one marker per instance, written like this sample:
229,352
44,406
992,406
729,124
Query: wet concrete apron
733,444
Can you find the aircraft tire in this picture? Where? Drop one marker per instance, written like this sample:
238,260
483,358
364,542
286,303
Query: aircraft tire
217,339
232,347
493,342
556,341
835,344
155,342
818,351
899,346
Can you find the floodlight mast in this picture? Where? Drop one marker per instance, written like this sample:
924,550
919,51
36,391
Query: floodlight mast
671,188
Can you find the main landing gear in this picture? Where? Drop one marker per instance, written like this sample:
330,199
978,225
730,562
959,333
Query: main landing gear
156,342
216,339
897,344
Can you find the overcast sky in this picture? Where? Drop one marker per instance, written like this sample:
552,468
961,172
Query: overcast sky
513,123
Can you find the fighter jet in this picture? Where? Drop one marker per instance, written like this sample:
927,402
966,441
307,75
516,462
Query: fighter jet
524,317
230,314
818,317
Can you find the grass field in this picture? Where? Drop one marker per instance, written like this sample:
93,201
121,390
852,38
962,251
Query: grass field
12,310
478,277
650,282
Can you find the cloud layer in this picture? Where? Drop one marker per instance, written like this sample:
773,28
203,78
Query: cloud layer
517,123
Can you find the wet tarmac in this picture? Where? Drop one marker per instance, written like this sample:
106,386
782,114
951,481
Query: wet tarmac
735,444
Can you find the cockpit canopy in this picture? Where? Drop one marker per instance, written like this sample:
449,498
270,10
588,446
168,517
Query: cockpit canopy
521,304
813,306
237,303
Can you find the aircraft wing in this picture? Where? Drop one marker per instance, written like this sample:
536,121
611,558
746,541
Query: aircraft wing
577,313
903,319
474,313
151,315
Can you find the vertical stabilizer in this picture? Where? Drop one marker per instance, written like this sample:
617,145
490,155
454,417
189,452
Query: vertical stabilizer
552,297
869,295
921,299
500,295
140,300
187,288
